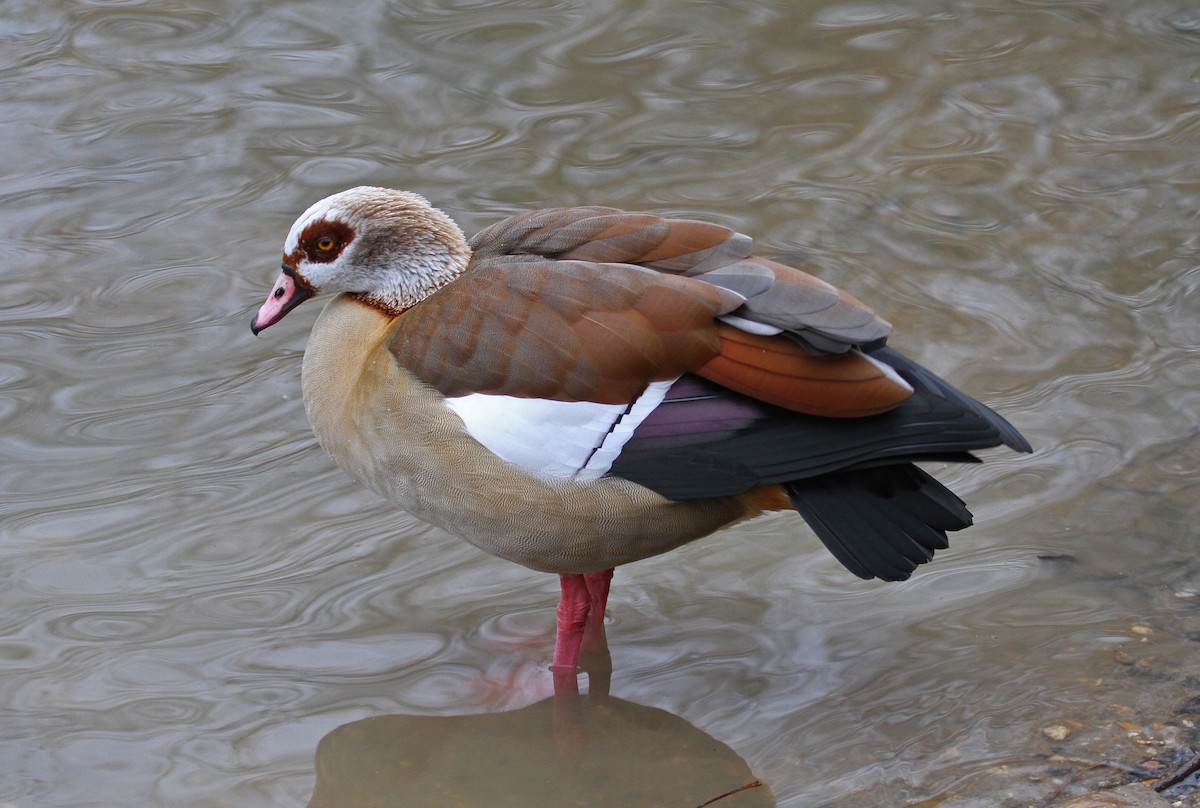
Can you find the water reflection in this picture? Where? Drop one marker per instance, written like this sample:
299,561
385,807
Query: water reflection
628,755
567,750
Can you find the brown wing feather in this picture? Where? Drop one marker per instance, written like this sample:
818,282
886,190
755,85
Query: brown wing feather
566,330
827,319
777,371
594,303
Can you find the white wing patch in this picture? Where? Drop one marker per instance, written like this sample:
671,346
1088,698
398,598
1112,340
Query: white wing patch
887,369
555,439
750,326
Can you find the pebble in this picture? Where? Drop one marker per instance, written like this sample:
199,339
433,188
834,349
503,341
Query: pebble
1056,733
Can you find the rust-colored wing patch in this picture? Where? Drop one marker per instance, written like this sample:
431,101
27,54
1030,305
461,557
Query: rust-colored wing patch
779,372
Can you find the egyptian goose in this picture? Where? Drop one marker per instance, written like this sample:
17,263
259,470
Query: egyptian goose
578,388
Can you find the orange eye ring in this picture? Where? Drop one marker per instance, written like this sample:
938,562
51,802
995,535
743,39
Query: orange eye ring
325,244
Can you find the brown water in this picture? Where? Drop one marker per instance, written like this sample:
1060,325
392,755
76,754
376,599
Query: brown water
193,597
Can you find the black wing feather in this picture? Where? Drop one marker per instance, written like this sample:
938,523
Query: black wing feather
851,479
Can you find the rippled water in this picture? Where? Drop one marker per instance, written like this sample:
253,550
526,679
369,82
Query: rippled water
193,597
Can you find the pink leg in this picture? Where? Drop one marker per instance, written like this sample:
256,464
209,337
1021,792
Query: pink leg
580,610
580,629
598,584
573,608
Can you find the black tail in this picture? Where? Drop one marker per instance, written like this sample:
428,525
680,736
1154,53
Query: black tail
880,522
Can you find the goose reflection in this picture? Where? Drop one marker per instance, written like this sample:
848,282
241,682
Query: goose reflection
572,749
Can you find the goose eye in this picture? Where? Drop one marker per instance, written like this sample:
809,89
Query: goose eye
322,242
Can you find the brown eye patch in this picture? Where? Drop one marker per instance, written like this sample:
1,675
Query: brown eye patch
323,240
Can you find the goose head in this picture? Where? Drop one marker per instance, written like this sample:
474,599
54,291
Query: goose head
391,249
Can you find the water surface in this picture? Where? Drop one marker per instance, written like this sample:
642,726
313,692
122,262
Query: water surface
192,596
